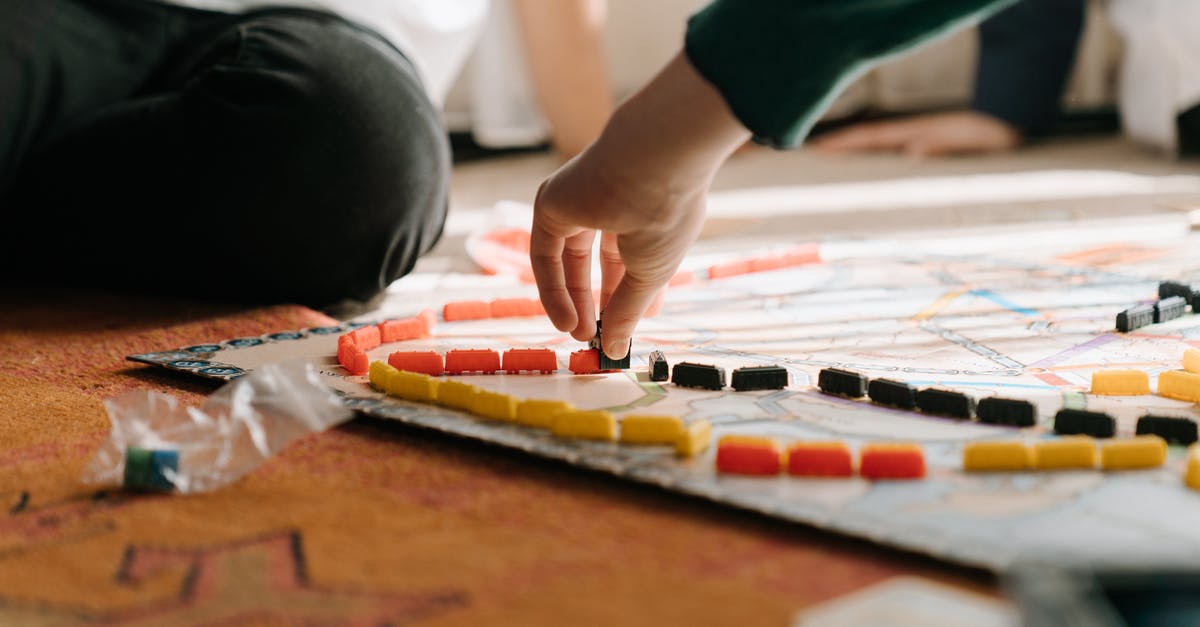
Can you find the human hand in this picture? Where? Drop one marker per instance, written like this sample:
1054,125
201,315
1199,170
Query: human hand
930,135
645,231
642,185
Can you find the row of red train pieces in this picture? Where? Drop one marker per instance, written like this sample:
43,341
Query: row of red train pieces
487,361
511,308
353,346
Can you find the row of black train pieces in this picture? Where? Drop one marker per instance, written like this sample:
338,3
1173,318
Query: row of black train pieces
1174,301
933,401
710,377
994,410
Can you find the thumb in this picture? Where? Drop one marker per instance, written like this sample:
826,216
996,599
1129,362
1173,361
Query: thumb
618,321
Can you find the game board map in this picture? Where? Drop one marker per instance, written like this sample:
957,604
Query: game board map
997,323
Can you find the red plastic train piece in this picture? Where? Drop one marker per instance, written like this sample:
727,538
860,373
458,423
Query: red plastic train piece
404,329
466,310
820,459
801,255
516,308
730,268
891,461
541,360
462,360
352,358
748,457
425,362
683,277
366,338
586,361
428,318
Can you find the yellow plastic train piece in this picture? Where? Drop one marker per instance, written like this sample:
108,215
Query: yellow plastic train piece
540,413
1192,476
425,389
413,386
1143,451
1120,382
1179,385
456,395
588,425
378,374
1011,455
1191,360
494,406
695,439
1065,453
648,429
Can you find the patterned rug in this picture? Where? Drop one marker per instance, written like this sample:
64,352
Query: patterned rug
368,524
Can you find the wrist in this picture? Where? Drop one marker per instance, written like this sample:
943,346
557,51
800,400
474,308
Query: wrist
678,125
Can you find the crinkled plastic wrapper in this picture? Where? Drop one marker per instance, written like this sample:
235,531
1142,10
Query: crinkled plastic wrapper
158,444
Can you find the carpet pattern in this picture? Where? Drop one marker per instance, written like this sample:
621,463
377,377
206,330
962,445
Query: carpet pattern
368,524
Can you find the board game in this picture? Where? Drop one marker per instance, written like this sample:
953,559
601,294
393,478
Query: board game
1019,311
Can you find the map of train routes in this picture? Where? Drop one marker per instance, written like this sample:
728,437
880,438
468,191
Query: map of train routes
1021,312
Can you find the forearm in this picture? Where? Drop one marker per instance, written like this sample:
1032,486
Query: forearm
678,124
565,50
778,63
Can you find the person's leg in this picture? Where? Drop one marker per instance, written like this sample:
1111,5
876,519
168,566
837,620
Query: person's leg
296,159
1187,127
62,58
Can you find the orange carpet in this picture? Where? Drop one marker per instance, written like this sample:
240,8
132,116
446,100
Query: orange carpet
369,524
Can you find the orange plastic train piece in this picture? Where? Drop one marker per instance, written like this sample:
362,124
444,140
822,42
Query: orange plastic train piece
800,256
820,459
749,456
541,360
462,360
516,308
891,461
730,268
586,361
683,277
400,330
366,338
424,362
353,358
428,318
466,310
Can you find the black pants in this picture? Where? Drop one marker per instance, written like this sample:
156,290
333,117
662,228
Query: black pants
283,155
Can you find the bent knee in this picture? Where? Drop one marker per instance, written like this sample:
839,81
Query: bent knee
359,152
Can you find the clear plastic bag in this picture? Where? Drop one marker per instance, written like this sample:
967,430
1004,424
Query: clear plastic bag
158,444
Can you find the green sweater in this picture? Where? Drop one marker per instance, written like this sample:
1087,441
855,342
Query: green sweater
779,63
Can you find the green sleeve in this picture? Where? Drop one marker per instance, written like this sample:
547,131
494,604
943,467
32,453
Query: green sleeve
779,63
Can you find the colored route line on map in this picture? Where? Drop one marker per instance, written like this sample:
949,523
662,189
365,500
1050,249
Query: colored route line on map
651,393
1052,379
1005,303
938,305
1078,349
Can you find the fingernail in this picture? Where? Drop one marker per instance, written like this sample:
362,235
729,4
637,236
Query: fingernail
616,348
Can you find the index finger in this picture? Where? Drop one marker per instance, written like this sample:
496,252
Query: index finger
629,301
545,256
612,267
